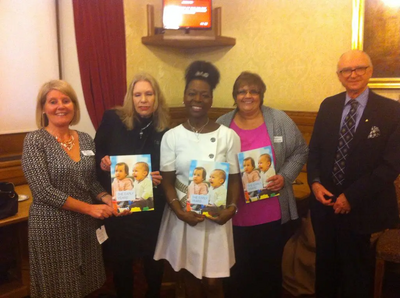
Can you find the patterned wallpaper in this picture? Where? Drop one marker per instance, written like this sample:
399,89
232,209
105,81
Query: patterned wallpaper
293,45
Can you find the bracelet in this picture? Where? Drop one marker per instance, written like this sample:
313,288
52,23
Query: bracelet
233,205
173,200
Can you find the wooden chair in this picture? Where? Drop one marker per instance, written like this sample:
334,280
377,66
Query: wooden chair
387,249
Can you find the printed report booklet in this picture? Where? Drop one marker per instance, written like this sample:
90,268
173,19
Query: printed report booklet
207,187
256,166
131,184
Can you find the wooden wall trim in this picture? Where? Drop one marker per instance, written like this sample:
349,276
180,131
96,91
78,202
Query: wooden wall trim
304,120
10,158
178,114
11,144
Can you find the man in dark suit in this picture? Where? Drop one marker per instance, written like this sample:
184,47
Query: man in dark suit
353,161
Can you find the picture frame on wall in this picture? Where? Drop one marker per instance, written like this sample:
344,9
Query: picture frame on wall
376,30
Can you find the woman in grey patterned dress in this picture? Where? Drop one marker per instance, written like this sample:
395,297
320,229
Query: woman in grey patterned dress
59,165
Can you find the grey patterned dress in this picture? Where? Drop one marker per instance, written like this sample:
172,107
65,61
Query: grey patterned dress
64,254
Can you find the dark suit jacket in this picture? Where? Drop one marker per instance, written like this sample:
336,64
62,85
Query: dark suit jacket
371,165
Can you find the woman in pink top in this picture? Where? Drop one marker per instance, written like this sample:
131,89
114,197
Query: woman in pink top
257,226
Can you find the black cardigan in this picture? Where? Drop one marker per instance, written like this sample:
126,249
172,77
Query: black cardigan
139,230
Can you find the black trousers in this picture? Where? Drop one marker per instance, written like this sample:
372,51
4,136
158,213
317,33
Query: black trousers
257,272
124,277
344,258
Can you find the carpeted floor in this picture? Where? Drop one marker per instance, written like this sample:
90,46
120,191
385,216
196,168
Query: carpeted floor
391,286
140,286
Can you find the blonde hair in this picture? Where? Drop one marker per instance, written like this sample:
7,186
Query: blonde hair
127,112
41,118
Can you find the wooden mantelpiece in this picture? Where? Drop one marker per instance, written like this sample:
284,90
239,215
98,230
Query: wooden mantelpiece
187,42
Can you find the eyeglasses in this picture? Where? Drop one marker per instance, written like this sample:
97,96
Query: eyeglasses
252,92
346,72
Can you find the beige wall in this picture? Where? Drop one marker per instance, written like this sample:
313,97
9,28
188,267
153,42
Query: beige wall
293,45
28,58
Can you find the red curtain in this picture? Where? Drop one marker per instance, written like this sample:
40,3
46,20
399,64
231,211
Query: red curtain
100,39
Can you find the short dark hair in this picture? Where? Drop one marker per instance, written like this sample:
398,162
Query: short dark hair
202,70
249,78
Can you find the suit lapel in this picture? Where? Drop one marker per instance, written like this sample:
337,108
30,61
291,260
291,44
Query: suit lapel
366,121
335,113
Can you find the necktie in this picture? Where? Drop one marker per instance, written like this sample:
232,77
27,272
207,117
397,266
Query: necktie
345,137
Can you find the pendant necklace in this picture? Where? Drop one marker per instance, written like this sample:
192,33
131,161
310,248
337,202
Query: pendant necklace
142,129
67,144
197,131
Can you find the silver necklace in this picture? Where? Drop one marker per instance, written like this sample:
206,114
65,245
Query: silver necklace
142,129
197,131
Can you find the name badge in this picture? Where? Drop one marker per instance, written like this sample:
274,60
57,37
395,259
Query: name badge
278,139
101,234
87,152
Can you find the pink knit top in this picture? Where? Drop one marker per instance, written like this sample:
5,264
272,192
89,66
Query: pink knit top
263,211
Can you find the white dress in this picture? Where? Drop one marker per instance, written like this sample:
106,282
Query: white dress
207,248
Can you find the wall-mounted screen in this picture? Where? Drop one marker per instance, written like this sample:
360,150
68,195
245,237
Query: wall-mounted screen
189,14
